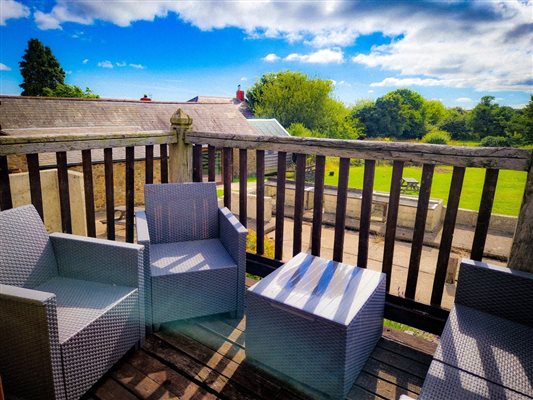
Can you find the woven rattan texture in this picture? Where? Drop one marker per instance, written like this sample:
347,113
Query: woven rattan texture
490,347
233,235
194,294
29,348
26,257
79,303
103,342
180,212
322,354
444,382
143,238
496,290
195,255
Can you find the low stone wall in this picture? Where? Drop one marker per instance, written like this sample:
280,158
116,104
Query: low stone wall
251,205
505,224
406,212
20,192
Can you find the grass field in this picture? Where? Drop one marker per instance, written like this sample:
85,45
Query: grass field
507,200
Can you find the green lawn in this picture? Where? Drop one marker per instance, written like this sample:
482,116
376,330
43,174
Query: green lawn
507,200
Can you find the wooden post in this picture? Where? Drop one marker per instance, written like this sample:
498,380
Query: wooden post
522,248
180,153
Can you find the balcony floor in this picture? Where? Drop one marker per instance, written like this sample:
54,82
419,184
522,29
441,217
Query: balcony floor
205,359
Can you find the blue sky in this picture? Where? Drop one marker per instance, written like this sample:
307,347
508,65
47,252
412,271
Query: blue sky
449,50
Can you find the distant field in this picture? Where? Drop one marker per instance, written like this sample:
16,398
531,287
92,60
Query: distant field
507,200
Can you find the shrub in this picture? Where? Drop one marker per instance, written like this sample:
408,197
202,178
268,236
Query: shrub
436,136
495,141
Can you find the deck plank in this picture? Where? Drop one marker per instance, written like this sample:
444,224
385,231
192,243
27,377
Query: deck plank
205,359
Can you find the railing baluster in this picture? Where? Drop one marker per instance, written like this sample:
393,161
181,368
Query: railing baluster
366,213
5,188
280,205
340,213
110,193
299,204
419,229
483,217
197,163
318,204
89,192
163,151
260,205
130,192
34,176
243,189
64,195
211,163
228,175
447,234
149,164
392,219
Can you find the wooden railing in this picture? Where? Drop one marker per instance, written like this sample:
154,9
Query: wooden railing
183,151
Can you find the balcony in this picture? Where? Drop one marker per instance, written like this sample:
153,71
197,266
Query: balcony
205,358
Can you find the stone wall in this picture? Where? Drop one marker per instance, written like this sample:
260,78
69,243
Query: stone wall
20,194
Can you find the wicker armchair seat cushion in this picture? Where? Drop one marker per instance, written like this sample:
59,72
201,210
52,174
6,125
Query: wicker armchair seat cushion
195,255
80,303
495,349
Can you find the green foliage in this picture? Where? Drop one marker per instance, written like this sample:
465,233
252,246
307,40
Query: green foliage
398,114
64,90
294,98
298,129
433,112
39,69
495,141
436,136
457,124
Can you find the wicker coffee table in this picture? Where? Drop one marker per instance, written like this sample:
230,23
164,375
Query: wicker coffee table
316,321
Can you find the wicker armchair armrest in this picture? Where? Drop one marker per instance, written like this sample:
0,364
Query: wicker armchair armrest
141,224
29,326
98,260
232,234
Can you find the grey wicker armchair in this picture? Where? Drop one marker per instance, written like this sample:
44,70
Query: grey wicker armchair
195,253
69,307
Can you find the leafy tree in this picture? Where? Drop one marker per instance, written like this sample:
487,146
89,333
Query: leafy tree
64,90
433,112
39,69
293,97
299,130
457,124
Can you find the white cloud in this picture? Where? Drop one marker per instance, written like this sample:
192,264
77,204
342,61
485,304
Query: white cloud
464,100
371,91
85,61
406,82
333,82
323,56
10,9
271,57
105,64
244,79
486,45
68,72
137,66
4,67
121,64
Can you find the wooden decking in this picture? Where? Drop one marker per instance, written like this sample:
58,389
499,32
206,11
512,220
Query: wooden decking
206,359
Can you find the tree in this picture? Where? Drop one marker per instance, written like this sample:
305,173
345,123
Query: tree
457,124
433,112
39,69
64,90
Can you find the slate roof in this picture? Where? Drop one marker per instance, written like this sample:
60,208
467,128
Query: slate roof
45,115
38,115
268,127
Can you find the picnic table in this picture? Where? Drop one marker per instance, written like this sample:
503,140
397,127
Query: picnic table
409,184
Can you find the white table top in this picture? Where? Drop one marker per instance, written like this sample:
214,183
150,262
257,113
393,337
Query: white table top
328,289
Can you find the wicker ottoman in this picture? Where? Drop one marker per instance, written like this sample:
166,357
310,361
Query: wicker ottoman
316,321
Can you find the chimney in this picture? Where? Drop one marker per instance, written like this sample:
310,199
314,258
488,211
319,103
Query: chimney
145,98
240,93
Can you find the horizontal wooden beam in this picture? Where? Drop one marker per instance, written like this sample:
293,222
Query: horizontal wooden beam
483,157
64,142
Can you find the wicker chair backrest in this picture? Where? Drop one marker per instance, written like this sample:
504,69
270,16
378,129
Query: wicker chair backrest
178,212
26,254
